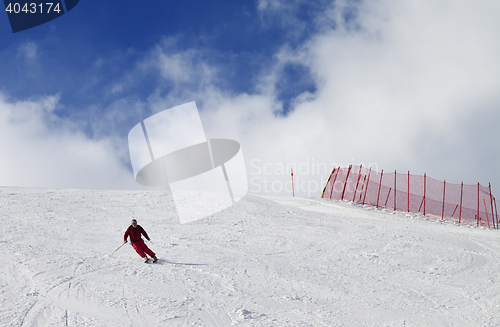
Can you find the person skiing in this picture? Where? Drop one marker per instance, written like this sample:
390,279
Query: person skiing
140,247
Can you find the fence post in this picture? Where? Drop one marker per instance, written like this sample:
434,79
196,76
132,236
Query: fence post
362,189
379,186
425,186
356,189
421,203
461,196
357,184
324,189
478,204
345,184
496,212
408,191
444,195
333,187
486,210
495,225
387,198
366,188
395,175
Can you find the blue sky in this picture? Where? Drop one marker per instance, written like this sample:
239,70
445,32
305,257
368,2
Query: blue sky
82,55
406,86
230,35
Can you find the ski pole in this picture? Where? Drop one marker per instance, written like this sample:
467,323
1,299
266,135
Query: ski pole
118,249
151,242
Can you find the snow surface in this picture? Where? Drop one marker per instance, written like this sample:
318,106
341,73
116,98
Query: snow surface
266,261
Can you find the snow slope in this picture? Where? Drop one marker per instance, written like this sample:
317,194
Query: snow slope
263,262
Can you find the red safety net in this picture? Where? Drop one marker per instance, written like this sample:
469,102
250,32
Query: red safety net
470,204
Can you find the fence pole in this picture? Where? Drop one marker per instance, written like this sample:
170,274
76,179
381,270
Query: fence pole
336,175
395,175
328,182
408,191
362,189
425,186
357,184
387,198
421,203
444,194
478,204
496,212
356,189
486,210
379,186
366,188
461,197
345,184
495,224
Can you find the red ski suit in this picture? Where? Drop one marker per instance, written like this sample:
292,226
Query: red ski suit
137,242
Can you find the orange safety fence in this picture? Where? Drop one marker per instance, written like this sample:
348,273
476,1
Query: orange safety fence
414,193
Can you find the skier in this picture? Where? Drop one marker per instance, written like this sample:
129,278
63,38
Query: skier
140,247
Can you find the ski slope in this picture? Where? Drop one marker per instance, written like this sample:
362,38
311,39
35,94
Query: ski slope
266,261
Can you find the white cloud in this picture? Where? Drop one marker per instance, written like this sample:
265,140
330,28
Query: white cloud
406,85
396,91
395,86
414,69
40,150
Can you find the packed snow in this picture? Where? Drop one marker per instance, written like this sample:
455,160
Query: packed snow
266,261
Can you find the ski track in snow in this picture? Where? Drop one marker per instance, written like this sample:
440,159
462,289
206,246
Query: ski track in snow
267,261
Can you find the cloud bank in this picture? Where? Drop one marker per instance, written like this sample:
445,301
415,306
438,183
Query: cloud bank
407,86
40,149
